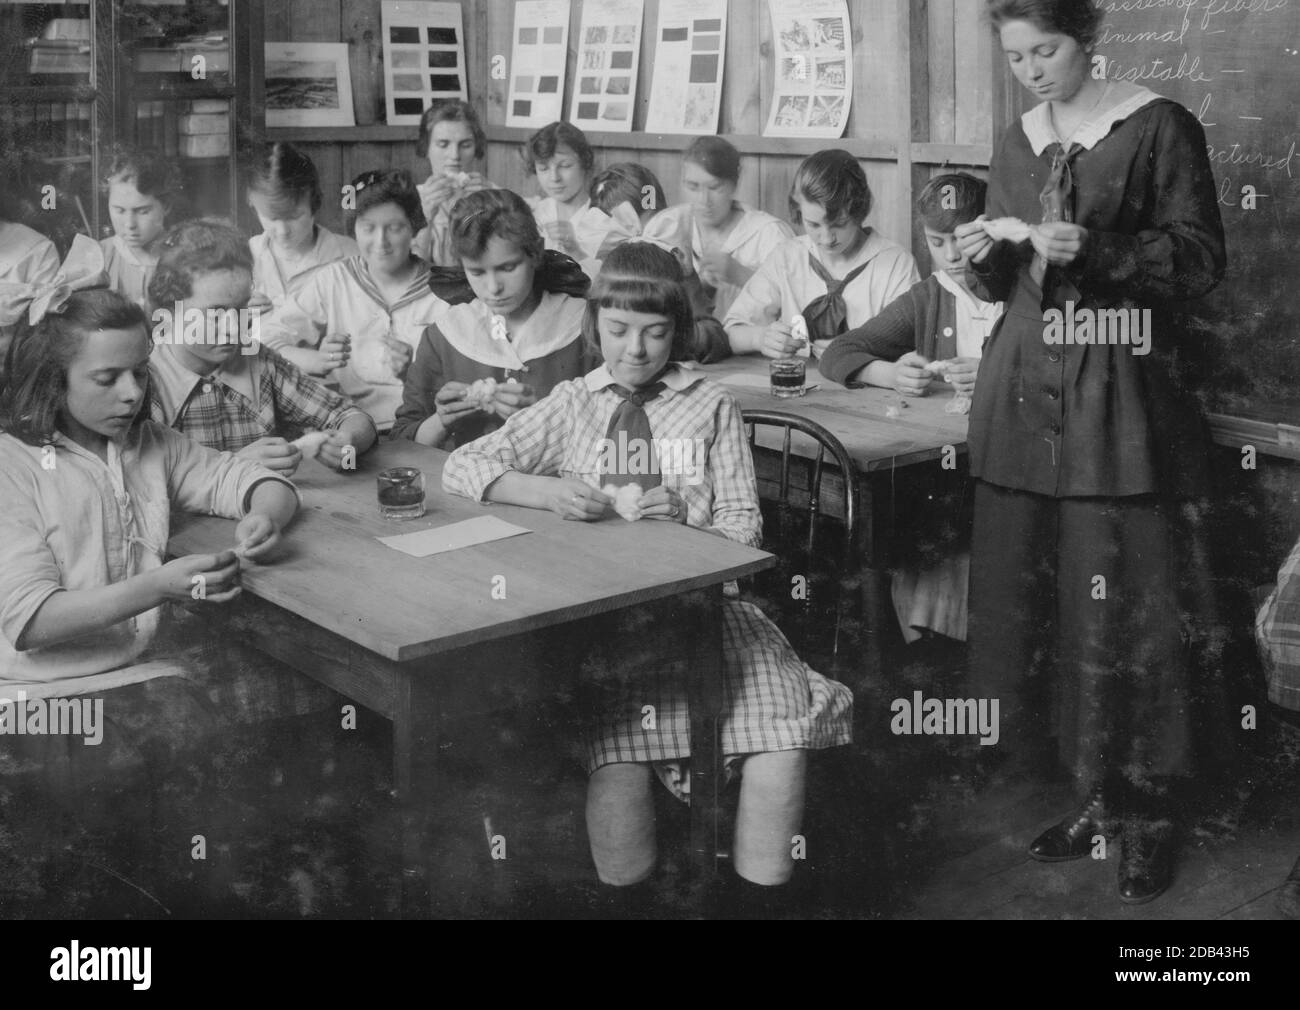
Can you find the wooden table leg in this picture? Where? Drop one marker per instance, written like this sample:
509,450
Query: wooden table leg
415,748
877,605
706,711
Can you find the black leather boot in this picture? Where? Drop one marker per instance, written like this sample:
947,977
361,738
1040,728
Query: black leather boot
1072,838
1146,860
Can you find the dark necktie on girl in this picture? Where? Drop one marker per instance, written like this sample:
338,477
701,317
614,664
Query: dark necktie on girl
631,422
827,316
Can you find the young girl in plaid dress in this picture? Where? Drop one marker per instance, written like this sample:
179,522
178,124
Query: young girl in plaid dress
549,456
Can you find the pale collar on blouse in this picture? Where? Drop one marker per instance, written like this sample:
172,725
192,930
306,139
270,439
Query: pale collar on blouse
872,247
676,378
174,383
1037,122
555,323
133,256
976,307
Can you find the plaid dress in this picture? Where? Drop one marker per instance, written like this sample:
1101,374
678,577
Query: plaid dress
773,701
1277,631
250,397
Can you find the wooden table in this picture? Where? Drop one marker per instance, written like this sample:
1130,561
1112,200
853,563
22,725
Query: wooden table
887,450
415,638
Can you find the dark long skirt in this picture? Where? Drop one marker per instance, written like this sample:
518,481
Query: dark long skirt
1093,622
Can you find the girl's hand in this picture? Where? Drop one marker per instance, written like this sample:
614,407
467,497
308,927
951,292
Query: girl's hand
274,453
1060,243
717,267
441,190
218,575
570,498
961,373
451,405
474,183
662,503
337,349
910,376
973,240
259,303
257,535
512,397
397,356
331,450
778,342
560,234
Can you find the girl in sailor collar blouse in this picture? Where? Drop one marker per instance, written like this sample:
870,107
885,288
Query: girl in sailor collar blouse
522,330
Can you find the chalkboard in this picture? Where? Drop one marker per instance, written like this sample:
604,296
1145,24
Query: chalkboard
1236,65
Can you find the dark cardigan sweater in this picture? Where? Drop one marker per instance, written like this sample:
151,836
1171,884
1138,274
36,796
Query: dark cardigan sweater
923,319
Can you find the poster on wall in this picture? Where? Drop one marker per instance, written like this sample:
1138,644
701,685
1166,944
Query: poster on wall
539,57
814,68
308,84
690,49
424,57
609,51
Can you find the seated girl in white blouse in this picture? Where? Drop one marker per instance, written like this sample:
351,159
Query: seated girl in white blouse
835,276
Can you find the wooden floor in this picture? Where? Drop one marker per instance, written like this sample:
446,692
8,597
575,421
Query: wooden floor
1232,874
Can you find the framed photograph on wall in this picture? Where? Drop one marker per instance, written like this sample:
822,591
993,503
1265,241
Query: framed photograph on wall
308,84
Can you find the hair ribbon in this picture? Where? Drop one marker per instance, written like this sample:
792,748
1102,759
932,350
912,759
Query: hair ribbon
82,268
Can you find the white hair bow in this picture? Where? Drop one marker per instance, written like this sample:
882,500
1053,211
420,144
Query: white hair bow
82,268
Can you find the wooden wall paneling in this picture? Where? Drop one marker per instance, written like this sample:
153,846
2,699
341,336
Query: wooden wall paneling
494,39
645,66
935,41
360,29
276,19
974,98
314,21
328,159
742,106
880,62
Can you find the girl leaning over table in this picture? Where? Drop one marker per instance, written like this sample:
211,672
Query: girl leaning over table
777,709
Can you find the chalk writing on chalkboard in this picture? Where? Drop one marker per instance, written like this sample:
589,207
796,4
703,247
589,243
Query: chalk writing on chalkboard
1234,64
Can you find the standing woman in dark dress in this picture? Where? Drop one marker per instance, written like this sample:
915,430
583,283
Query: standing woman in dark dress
1091,459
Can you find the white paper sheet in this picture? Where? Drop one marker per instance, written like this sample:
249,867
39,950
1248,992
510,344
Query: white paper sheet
424,57
690,50
539,58
609,51
814,69
453,537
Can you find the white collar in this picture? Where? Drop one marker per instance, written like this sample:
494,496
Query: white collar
132,255
1037,122
174,383
555,323
873,245
676,378
977,307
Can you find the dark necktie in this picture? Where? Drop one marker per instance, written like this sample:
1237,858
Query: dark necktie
630,438
827,316
1057,201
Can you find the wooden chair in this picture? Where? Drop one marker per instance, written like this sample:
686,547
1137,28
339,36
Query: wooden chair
810,521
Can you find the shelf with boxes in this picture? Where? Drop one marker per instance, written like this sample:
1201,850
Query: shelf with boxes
55,101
